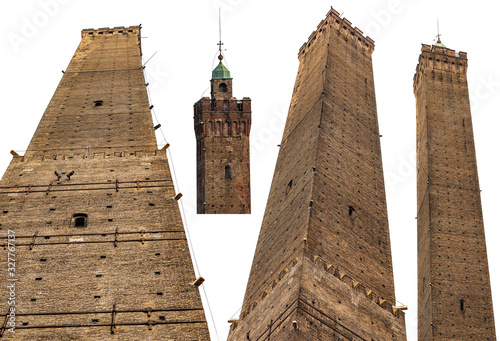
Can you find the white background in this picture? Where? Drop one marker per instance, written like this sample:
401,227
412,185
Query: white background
262,39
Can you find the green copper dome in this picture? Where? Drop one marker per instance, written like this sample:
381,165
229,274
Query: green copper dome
221,72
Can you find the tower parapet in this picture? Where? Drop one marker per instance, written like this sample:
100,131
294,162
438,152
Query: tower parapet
213,118
440,58
343,26
106,31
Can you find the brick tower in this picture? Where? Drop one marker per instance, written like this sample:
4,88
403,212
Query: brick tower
100,248
454,295
222,127
322,268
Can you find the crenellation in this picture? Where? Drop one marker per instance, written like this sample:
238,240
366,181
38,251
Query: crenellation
344,27
105,31
320,25
347,23
438,58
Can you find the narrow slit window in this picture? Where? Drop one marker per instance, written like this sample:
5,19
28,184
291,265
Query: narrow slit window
227,172
351,211
80,220
462,305
289,187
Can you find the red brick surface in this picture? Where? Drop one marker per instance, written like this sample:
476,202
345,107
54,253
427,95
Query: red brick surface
222,127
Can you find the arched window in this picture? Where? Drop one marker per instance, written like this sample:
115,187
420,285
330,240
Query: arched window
79,220
235,128
222,87
227,172
225,130
217,129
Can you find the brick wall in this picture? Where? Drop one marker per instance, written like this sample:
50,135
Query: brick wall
123,271
222,127
327,200
454,288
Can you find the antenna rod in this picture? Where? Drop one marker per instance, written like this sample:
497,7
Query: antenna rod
220,35
439,35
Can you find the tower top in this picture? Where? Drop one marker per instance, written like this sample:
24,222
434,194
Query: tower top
353,35
106,31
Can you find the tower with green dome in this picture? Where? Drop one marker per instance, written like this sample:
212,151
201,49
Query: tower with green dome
222,127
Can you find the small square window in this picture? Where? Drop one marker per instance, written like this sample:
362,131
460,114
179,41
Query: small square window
79,220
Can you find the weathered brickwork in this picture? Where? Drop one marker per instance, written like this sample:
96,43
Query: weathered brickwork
323,258
454,295
222,127
101,252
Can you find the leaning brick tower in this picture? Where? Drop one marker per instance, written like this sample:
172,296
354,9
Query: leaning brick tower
222,127
322,268
100,248
454,294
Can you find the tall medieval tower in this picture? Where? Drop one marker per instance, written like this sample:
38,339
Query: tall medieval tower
222,127
454,295
322,268
100,248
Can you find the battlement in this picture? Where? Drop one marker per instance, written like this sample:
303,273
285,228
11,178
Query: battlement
344,26
222,118
205,105
443,50
439,58
106,31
